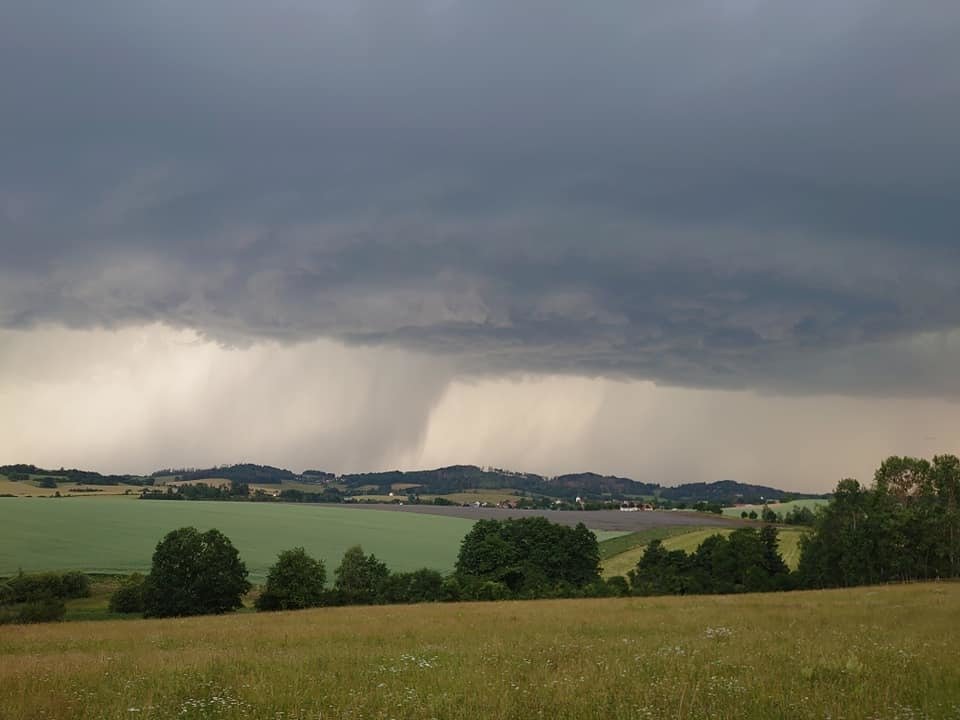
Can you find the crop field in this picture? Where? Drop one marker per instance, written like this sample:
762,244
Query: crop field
783,508
491,497
111,535
115,535
877,653
677,539
30,488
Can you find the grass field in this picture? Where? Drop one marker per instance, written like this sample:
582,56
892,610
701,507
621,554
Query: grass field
631,541
109,535
884,653
689,541
782,508
113,535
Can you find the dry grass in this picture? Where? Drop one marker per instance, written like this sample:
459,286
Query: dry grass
878,653
29,488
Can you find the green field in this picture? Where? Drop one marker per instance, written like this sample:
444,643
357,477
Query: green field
877,653
782,508
111,535
117,535
688,541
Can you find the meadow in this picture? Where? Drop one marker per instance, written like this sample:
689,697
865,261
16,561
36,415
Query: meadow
870,653
118,535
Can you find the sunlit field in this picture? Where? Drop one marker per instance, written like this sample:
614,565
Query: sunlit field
879,653
689,541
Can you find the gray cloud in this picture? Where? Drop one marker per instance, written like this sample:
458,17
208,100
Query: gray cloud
733,194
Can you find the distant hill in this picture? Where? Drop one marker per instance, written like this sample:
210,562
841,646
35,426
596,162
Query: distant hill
591,484
447,480
86,477
243,473
458,478
730,492
455,478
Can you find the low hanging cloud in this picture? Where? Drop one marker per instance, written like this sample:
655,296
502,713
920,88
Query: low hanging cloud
738,194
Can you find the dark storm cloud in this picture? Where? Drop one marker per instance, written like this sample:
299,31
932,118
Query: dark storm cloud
725,194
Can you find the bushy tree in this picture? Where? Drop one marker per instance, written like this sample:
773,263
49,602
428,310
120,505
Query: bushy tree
128,598
531,557
27,587
296,581
617,586
49,609
360,579
194,573
419,586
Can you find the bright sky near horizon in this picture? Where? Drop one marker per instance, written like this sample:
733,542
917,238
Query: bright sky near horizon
674,241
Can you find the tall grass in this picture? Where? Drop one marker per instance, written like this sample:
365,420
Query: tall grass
878,653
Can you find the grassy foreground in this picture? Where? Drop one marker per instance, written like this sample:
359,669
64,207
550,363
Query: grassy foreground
877,653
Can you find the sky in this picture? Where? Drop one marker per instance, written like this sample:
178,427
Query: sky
679,242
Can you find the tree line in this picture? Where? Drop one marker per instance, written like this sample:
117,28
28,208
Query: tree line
195,572
905,527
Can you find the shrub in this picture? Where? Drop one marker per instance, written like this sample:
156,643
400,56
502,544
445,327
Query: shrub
45,610
418,586
128,598
37,586
36,611
74,585
6,593
618,586
296,581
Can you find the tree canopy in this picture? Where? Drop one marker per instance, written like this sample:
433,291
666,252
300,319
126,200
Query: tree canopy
194,573
906,527
296,581
529,556
360,579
